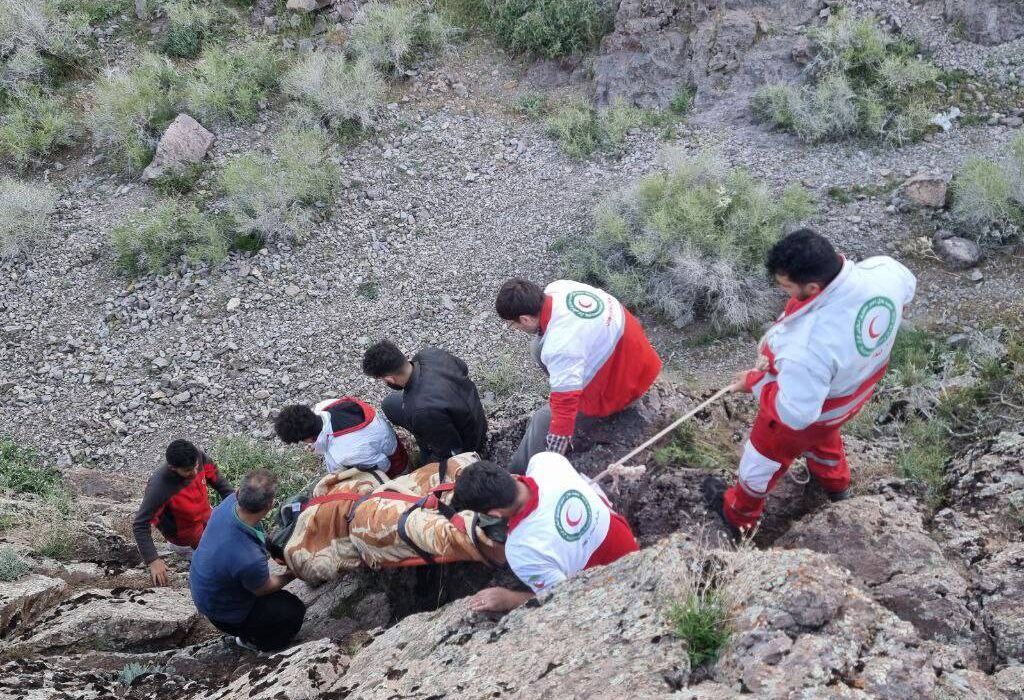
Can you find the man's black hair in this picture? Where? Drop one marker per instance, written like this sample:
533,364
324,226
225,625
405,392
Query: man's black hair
804,257
519,297
483,486
383,358
296,423
182,454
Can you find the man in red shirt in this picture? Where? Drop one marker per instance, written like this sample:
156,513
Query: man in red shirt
176,502
595,353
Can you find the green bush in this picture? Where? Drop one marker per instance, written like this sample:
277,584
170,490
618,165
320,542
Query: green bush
338,91
988,196
265,196
228,85
391,35
924,454
916,357
12,567
548,28
688,447
132,109
864,84
690,243
22,471
187,26
682,102
38,42
701,620
54,538
582,130
97,11
24,208
159,236
34,124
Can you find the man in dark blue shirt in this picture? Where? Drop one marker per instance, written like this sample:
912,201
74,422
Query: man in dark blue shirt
230,579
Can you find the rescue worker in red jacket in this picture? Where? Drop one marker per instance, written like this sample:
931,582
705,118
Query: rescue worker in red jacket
176,502
595,353
819,365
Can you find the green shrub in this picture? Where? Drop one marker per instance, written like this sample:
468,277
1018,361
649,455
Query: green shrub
690,242
24,208
701,620
97,11
916,357
582,130
187,26
228,85
237,456
338,91
864,84
548,28
689,447
265,196
178,182
924,454
389,36
131,110
12,567
34,124
38,42
54,538
988,196
22,471
682,102
160,235
533,105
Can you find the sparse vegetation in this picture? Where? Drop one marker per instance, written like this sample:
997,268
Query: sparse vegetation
160,235
533,105
24,208
338,91
38,42
695,447
127,675
864,84
22,471
548,28
690,243
700,620
12,567
131,110
988,197
179,182
54,538
266,196
581,130
228,85
682,102
34,124
389,36
923,456
187,26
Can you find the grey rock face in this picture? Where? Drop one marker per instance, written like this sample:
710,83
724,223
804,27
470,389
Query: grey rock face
25,599
959,253
928,191
1001,580
302,672
184,142
988,21
882,540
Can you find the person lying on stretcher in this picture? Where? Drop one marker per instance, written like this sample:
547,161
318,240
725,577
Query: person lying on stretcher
352,522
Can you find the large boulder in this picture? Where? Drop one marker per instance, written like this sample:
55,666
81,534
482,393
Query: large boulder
882,540
119,619
1001,581
185,142
987,21
302,672
25,599
660,47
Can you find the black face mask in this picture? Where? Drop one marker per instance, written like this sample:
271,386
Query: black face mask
396,387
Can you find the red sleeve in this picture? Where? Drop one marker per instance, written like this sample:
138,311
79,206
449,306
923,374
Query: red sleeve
767,402
753,377
564,406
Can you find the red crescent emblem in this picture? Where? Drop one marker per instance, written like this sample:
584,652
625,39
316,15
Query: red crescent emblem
570,521
586,303
871,329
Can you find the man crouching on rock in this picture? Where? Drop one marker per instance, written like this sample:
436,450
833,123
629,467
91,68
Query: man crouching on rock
559,523
176,502
230,580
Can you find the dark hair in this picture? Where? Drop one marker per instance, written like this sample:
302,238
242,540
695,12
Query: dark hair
483,486
519,297
182,454
383,358
296,423
256,494
804,257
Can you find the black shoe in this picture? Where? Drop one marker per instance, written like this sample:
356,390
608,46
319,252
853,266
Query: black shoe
836,496
713,489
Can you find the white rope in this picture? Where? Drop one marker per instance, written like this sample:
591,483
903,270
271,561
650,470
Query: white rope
619,469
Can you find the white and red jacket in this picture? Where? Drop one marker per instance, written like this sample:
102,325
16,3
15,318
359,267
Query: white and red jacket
355,435
825,355
565,527
598,359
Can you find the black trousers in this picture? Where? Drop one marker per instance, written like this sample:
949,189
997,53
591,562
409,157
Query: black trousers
271,623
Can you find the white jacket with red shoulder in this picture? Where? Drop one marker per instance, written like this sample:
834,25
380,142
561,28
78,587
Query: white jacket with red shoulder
825,355
354,435
596,354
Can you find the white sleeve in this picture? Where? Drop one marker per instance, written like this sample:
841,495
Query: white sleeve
803,388
533,568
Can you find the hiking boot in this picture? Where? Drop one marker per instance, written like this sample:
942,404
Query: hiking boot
713,489
836,496
248,645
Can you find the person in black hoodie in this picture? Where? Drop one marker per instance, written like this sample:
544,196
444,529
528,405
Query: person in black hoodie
434,399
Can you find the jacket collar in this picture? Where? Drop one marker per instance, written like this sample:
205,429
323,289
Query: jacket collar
531,503
822,298
545,313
